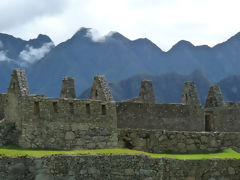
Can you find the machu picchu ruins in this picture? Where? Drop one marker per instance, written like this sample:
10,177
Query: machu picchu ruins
69,123
100,122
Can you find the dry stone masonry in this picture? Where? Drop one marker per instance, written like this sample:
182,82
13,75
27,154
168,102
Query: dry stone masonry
190,95
35,121
146,94
161,141
123,167
100,122
214,98
68,88
100,89
18,84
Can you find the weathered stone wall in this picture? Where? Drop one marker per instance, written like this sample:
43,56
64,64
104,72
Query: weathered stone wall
3,100
67,123
160,141
225,118
68,88
8,133
160,116
190,94
116,167
214,98
100,89
227,169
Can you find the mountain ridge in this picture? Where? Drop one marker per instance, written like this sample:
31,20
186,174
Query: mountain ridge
82,56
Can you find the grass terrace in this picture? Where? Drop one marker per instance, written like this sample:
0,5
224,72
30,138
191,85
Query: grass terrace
14,151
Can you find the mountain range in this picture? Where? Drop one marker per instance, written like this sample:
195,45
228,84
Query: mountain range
116,57
168,87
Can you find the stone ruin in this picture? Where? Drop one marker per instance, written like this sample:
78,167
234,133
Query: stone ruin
100,122
189,94
214,98
146,94
68,88
18,84
100,89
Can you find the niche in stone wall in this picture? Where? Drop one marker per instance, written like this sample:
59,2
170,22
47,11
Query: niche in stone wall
55,108
71,108
88,108
208,122
96,93
104,109
36,107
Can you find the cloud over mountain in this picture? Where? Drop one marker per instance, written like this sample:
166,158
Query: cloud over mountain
30,54
3,56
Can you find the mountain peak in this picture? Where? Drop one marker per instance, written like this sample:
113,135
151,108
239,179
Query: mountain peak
117,36
146,42
183,44
82,32
43,37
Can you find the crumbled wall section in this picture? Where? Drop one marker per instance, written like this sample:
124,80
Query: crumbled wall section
100,89
68,88
161,141
67,123
123,167
18,84
146,94
214,98
177,117
3,101
190,95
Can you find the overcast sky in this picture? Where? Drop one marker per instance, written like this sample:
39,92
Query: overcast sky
164,22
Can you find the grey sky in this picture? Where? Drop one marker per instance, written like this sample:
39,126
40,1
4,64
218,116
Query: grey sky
165,22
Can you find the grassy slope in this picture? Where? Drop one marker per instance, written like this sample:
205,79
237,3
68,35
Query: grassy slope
11,152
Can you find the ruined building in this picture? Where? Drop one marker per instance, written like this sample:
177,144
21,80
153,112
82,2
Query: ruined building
36,121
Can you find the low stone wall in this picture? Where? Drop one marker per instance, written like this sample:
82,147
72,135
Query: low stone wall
81,167
8,133
116,167
201,169
171,117
160,141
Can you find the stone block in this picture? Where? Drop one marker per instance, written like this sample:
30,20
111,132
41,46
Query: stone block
69,135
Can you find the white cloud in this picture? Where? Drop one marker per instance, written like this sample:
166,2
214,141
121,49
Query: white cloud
163,22
31,55
15,13
96,36
3,56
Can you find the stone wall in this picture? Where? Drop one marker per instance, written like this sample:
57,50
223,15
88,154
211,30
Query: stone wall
8,133
227,169
116,167
160,141
3,99
160,116
67,123
225,118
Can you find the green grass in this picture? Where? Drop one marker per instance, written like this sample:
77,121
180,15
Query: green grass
13,151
